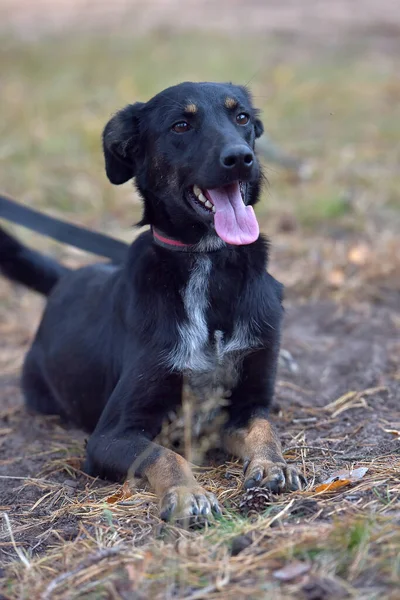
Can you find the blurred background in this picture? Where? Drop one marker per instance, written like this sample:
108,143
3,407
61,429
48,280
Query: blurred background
325,74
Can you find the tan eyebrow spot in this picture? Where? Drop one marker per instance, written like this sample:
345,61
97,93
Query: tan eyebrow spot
191,108
230,102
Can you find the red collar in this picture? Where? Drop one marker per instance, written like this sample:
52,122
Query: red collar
161,239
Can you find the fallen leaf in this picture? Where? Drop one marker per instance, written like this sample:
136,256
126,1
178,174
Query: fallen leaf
358,255
353,474
123,494
394,432
334,485
291,571
341,478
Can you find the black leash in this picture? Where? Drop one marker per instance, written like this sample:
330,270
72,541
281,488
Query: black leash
73,235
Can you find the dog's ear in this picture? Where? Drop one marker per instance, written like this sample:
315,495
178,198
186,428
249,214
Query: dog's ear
121,144
258,128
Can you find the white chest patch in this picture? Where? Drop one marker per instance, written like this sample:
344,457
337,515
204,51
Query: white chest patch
193,334
208,361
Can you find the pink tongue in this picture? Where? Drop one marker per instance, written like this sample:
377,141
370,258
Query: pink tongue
234,222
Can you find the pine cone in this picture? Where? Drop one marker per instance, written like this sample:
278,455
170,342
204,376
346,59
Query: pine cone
255,500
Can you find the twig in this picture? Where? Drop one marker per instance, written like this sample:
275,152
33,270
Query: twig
313,448
280,514
18,551
200,594
24,478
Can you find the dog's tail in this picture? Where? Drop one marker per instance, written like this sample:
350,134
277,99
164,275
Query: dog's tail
28,267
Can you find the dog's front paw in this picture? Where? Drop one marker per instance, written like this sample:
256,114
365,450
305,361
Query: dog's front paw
188,503
276,476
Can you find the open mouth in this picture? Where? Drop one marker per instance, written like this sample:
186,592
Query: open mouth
201,199
234,222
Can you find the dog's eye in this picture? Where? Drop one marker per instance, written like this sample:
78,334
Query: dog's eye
242,119
181,127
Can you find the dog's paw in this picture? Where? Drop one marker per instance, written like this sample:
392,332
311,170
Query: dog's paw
275,476
190,504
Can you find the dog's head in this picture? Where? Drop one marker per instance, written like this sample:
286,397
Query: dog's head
191,150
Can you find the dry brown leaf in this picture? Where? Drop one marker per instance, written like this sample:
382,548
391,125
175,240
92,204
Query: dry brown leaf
341,478
123,494
334,485
358,255
291,571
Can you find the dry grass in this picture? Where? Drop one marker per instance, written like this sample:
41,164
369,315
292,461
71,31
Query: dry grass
335,236
346,540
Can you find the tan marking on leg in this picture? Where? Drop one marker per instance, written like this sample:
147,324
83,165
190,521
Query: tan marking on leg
169,470
259,446
258,439
230,102
181,497
191,108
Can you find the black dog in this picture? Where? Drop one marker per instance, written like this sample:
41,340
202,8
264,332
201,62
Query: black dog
193,299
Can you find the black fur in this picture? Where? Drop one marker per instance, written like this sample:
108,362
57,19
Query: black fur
99,354
27,266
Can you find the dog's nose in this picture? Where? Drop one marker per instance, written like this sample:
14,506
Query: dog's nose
237,156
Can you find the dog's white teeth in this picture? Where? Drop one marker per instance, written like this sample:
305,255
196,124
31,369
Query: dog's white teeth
213,209
196,190
199,194
202,198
